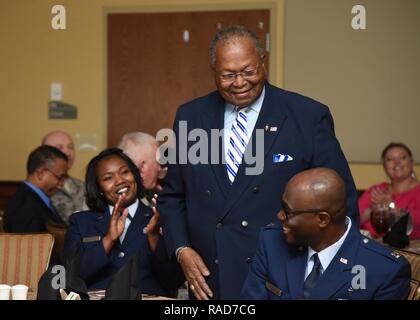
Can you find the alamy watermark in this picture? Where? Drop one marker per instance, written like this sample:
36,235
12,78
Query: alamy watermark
358,22
58,21
197,147
59,280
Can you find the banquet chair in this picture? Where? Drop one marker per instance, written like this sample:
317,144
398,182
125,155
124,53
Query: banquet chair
414,260
1,221
24,258
58,231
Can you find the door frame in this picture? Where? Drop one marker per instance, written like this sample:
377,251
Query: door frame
277,31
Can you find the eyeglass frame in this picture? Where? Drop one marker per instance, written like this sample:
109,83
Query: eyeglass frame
60,179
246,74
287,211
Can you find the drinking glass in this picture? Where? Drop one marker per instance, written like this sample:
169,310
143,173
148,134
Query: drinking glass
380,219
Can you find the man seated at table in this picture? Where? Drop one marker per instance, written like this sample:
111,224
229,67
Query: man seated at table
30,208
316,252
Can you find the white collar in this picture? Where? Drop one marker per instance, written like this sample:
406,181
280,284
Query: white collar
132,209
255,106
325,256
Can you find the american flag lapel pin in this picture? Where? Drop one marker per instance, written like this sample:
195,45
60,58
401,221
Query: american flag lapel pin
273,129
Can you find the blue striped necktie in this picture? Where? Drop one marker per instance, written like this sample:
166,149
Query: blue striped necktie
237,144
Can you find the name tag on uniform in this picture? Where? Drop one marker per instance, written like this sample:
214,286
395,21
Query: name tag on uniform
91,239
273,289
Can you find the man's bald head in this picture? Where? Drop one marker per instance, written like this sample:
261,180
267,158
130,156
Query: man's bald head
62,141
313,212
319,188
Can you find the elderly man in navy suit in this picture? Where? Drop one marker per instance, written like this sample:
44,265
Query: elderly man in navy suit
212,210
317,252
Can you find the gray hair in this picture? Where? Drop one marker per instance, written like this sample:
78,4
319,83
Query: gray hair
138,139
230,34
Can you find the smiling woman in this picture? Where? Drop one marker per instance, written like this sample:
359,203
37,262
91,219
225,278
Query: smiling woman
119,226
384,202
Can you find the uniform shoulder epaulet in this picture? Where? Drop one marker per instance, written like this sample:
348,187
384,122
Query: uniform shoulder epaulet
75,213
273,225
378,248
84,214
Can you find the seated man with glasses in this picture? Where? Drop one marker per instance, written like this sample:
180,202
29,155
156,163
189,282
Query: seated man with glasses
30,208
318,253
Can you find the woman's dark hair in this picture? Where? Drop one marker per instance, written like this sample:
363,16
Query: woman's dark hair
95,200
396,145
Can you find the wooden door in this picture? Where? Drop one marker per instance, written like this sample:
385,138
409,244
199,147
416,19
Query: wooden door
157,61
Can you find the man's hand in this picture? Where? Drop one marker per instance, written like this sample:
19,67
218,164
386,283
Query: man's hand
195,270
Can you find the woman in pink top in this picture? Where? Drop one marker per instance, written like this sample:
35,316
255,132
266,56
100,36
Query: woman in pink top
403,192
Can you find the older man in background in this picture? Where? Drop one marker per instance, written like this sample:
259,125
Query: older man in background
142,148
71,197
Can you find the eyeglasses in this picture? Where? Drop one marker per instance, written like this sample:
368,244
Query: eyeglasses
289,212
59,178
246,74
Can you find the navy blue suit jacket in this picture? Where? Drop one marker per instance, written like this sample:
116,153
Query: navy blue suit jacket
200,208
158,274
278,269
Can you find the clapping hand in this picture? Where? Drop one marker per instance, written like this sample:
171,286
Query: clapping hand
380,196
116,224
153,229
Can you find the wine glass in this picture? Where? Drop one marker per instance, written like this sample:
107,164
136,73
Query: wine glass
380,219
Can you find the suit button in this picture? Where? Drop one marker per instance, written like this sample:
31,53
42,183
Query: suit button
255,190
248,260
244,223
219,225
208,193
216,261
121,254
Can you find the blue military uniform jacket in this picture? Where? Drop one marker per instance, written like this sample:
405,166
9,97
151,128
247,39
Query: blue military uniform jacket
220,221
158,274
361,269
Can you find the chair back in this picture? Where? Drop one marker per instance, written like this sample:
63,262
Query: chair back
24,258
414,260
58,231
1,221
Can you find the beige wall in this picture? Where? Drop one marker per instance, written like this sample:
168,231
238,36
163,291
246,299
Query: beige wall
33,55
369,78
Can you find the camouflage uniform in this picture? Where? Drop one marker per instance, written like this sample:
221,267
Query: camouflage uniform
70,198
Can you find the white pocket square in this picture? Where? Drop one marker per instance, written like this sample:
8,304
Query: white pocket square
277,158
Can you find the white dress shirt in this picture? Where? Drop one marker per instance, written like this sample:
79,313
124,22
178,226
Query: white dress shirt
325,256
131,213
